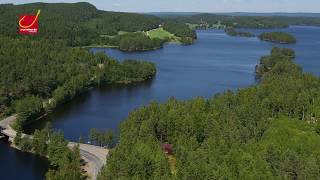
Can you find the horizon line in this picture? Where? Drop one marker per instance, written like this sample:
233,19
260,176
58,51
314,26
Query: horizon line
257,12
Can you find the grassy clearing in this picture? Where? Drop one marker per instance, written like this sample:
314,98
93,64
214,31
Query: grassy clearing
122,32
109,36
159,33
163,34
192,26
154,33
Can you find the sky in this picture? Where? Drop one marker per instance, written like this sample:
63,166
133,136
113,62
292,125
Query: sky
196,5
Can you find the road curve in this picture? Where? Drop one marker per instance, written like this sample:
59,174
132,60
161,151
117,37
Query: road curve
94,156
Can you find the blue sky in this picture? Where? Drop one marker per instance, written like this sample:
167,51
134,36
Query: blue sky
197,5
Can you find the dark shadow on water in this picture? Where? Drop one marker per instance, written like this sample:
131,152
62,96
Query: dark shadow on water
67,108
18,165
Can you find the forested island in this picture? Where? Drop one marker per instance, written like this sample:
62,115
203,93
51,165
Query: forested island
278,37
267,131
233,32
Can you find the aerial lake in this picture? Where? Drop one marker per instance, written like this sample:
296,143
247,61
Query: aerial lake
215,63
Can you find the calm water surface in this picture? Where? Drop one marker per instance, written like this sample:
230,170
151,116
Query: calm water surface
215,63
16,165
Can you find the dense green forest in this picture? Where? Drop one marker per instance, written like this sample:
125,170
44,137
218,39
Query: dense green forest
268,62
81,24
136,41
278,37
64,162
266,131
211,20
38,71
181,30
101,138
233,32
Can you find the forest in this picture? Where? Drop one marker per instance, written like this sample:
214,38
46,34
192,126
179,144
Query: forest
38,75
64,162
209,20
136,41
233,32
266,131
181,30
278,37
81,24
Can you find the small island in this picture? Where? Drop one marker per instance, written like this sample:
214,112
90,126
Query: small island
233,32
278,37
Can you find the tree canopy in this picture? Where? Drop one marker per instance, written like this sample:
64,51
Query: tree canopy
267,131
81,24
64,162
233,32
278,37
210,20
37,75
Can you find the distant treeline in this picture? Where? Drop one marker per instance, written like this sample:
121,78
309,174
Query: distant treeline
267,131
208,20
81,24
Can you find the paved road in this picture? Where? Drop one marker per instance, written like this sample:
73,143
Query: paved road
94,156
5,123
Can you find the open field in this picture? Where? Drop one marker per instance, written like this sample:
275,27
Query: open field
163,34
159,33
122,32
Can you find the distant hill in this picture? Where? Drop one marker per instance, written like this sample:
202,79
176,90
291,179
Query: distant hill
244,20
82,24
161,14
77,23
273,14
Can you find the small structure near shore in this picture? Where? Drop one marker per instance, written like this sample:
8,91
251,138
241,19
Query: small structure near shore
167,148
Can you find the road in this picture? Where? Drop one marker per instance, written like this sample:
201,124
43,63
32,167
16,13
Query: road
94,156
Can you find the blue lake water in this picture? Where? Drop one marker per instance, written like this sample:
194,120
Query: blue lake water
16,165
215,63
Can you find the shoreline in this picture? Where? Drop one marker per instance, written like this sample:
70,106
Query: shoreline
86,168
48,109
139,50
93,157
